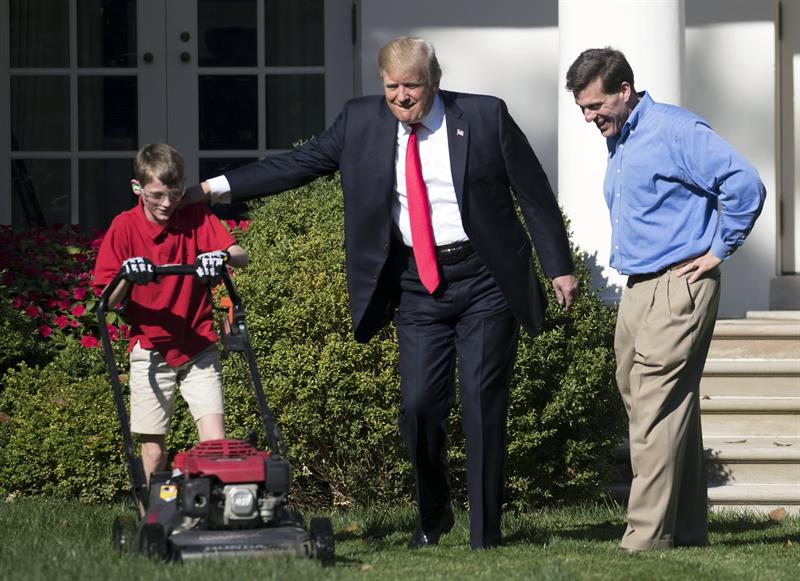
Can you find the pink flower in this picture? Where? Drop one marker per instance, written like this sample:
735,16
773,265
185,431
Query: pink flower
89,342
32,311
79,292
18,301
78,310
60,321
62,294
63,304
244,225
74,323
45,331
113,332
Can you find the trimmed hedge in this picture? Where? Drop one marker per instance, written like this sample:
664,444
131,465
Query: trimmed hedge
336,400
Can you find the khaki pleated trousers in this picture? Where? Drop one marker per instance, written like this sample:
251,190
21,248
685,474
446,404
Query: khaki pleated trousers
663,332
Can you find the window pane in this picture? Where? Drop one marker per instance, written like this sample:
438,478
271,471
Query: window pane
39,33
41,190
295,108
294,33
211,167
226,33
39,113
107,113
106,33
228,112
105,191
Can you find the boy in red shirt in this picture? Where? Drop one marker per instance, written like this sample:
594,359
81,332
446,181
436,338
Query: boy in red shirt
172,337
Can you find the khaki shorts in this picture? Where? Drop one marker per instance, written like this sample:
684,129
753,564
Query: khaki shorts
153,384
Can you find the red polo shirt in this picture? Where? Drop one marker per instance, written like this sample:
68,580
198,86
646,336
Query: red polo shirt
173,314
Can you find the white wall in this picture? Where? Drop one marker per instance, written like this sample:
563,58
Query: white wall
730,81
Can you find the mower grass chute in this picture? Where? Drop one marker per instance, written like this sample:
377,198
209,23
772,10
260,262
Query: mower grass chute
222,497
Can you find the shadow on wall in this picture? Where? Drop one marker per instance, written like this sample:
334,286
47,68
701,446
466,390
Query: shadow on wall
609,292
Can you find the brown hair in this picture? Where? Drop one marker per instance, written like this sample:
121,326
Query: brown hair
607,64
158,161
408,53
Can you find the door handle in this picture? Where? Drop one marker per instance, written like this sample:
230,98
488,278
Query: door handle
148,57
185,57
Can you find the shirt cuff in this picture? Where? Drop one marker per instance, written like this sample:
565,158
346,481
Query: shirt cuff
722,250
219,190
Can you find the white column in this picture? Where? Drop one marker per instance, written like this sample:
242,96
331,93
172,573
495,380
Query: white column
651,34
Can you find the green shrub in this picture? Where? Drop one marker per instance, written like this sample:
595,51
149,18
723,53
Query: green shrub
335,400
17,335
59,433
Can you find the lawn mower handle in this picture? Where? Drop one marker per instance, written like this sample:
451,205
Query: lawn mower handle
132,461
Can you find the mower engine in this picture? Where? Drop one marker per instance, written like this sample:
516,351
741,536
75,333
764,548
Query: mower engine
231,484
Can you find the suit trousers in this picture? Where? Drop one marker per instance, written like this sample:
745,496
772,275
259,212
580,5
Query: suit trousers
663,333
467,320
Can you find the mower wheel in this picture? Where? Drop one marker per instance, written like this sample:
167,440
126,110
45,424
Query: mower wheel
123,532
153,541
321,533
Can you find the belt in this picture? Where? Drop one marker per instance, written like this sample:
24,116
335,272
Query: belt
634,278
450,253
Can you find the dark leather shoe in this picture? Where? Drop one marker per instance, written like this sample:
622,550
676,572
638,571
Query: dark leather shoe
429,538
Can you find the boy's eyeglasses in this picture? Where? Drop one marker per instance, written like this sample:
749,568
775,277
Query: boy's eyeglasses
158,196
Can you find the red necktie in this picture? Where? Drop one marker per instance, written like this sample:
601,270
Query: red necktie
420,216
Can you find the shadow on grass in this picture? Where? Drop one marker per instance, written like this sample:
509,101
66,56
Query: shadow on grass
749,530
528,533
380,528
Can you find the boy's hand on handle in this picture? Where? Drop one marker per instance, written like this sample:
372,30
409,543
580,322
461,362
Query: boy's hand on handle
138,270
209,267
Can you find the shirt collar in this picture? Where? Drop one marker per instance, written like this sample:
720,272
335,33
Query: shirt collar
642,107
433,120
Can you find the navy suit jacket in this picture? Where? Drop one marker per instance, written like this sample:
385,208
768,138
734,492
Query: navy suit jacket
489,156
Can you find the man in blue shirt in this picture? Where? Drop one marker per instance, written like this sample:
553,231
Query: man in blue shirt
681,200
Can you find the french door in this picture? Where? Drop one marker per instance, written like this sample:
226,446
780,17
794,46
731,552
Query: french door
87,82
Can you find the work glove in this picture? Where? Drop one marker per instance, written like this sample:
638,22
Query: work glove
209,266
138,270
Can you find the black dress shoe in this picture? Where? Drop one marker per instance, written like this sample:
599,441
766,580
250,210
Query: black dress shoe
429,538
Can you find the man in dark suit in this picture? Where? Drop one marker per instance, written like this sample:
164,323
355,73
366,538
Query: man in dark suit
433,242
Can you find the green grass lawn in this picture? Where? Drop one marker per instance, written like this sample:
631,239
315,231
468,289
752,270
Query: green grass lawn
52,539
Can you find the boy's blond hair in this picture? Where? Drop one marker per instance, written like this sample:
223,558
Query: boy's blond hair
158,161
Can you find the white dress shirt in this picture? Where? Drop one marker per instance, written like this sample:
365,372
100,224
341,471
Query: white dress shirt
435,159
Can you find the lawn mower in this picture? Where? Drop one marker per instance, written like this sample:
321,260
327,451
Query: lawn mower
222,497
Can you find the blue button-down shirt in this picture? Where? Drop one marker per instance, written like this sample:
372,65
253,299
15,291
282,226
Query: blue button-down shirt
675,189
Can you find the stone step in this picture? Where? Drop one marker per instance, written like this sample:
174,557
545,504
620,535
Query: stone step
756,423
755,494
766,460
723,404
749,340
729,416
761,498
751,377
774,315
